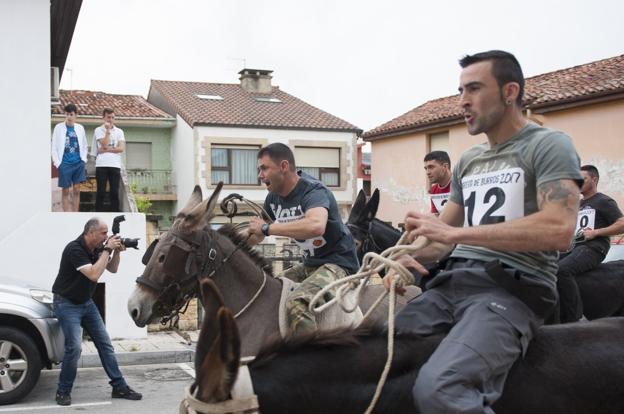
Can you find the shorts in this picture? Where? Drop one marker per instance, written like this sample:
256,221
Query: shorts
71,174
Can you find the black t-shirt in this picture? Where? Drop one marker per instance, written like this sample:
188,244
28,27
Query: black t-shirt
336,245
70,283
597,212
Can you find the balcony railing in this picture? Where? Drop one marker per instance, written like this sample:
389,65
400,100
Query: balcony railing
151,181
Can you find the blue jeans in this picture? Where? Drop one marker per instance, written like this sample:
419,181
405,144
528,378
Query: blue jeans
72,317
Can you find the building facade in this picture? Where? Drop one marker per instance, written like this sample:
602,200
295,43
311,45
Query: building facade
586,102
220,128
146,161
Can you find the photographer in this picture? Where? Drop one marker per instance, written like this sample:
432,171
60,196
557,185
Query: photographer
82,264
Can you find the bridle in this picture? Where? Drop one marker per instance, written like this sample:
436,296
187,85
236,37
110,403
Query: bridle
368,243
173,298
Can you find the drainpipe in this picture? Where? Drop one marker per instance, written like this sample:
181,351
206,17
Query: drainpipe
535,118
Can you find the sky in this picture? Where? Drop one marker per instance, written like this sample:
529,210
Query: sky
364,61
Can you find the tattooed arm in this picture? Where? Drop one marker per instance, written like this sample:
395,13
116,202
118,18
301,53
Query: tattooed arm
550,228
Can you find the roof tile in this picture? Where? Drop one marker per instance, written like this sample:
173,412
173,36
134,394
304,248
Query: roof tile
240,108
92,103
567,85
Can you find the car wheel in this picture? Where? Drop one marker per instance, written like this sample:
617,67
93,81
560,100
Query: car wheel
20,365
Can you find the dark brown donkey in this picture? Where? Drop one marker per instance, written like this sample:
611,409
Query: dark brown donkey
602,289
568,369
192,250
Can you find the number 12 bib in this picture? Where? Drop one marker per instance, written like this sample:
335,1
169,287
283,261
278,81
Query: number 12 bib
493,197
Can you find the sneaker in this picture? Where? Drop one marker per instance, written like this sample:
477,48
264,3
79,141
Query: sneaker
126,393
63,398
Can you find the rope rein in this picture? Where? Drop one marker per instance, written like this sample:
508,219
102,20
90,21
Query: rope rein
374,263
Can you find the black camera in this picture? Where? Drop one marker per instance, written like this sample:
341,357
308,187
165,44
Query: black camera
128,242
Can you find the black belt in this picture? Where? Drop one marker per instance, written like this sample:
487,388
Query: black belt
540,298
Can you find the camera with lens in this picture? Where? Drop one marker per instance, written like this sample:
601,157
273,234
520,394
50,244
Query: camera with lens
128,242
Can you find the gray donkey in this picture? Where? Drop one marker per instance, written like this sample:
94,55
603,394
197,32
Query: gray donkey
192,250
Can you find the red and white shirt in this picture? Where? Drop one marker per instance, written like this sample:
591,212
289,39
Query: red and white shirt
439,197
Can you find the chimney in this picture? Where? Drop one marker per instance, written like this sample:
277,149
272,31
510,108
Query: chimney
256,80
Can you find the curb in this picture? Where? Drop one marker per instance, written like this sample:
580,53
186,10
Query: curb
140,358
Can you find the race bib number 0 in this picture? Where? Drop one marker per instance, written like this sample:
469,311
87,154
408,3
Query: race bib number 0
586,219
493,197
439,200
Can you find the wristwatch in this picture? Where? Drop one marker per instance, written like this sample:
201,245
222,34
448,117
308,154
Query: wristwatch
265,229
108,249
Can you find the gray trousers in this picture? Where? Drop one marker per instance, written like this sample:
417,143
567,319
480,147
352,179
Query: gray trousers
488,330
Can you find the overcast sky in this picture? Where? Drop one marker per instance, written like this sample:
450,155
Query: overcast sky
362,60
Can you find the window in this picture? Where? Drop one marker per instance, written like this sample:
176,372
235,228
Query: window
234,164
269,100
139,155
321,163
439,141
210,97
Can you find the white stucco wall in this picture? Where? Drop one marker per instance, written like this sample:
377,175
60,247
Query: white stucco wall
345,196
34,255
31,236
182,160
24,111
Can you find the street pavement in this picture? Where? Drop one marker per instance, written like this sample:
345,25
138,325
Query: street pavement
157,348
159,366
162,386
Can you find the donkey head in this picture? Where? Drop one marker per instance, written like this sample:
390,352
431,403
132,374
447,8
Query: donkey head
218,348
362,212
173,263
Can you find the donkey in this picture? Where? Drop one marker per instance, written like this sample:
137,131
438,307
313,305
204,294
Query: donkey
370,233
191,250
568,369
602,289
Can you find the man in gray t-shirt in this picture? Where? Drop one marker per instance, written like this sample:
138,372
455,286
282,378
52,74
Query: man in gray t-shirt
513,204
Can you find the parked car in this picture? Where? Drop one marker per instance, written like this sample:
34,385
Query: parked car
30,338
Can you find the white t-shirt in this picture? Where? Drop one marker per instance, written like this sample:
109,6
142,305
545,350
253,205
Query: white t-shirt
107,159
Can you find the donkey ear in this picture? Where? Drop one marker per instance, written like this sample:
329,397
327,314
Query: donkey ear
219,366
212,202
205,210
357,208
202,212
230,346
373,205
218,348
212,301
194,200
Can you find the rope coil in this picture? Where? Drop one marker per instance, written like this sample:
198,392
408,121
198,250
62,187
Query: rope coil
374,263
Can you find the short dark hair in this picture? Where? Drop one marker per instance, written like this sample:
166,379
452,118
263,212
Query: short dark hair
439,156
505,68
107,111
92,224
70,108
591,170
278,152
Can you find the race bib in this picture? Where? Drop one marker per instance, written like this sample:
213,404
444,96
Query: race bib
439,200
493,197
586,219
309,245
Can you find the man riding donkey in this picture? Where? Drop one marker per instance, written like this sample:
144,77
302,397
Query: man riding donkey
513,205
305,210
598,218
